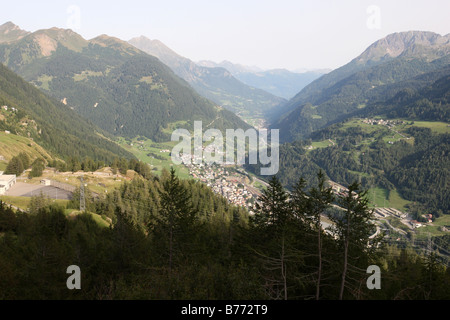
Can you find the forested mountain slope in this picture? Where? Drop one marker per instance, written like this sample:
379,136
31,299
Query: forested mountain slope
52,124
123,90
369,78
216,84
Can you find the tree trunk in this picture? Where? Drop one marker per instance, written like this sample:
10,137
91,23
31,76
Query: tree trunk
283,271
170,251
344,272
319,276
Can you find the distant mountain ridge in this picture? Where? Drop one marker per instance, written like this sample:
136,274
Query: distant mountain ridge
280,82
214,83
234,68
367,78
123,90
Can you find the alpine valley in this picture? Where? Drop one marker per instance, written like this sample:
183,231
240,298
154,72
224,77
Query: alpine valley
87,178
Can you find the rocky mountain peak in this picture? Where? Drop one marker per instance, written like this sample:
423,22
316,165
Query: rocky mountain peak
11,32
411,43
8,26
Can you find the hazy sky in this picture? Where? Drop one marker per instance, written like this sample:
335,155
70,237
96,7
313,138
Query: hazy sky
289,34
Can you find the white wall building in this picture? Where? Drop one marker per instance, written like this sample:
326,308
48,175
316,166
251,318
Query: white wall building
6,182
46,182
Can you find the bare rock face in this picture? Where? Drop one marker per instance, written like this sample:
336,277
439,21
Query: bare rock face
412,43
47,44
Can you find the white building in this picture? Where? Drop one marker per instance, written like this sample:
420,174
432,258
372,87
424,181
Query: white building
46,182
6,182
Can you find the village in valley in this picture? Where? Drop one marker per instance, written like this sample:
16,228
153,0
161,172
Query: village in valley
229,181
235,187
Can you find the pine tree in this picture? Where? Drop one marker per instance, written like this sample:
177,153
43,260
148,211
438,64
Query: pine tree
309,208
272,206
15,166
38,202
25,160
123,166
176,220
273,233
37,168
353,231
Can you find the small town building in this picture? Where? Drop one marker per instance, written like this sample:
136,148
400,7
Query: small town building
46,182
6,182
416,224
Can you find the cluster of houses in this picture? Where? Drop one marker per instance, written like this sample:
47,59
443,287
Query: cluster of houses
207,173
383,122
6,108
428,219
232,191
222,183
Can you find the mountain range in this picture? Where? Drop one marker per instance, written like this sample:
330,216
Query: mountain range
215,83
128,92
378,74
358,123
123,90
279,82
234,68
